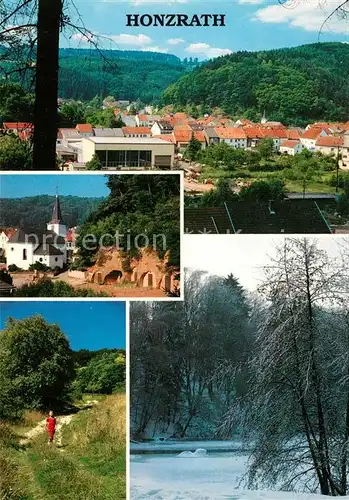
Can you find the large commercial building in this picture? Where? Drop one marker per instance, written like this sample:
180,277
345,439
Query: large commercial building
128,152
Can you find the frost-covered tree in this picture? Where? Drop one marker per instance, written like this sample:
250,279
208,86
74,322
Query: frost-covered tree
297,410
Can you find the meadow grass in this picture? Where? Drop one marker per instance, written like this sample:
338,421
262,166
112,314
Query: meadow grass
90,463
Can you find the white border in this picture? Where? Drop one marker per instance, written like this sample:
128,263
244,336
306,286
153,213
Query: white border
128,402
107,173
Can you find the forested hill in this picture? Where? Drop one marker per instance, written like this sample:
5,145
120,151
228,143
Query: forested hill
127,75
292,85
35,211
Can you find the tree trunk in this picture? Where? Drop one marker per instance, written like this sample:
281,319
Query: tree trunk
46,87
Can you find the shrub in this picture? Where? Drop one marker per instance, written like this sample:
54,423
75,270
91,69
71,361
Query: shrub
39,266
13,268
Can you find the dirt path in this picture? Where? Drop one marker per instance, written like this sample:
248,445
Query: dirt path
61,420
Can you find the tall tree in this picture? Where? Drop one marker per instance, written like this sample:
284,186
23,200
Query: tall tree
46,87
298,408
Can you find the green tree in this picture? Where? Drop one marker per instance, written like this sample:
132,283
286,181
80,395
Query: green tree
94,164
263,191
193,149
6,277
15,154
265,148
72,113
35,364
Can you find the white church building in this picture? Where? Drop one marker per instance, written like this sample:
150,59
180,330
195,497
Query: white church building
26,247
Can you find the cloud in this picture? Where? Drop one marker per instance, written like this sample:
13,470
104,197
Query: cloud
175,41
253,2
204,49
131,40
308,15
144,2
155,48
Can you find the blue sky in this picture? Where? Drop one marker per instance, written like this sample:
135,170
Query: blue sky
88,325
17,186
251,25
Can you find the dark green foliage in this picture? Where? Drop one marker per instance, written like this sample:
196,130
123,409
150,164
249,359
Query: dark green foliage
6,277
265,147
104,373
36,211
48,288
94,164
281,82
35,365
219,196
193,149
137,204
15,104
15,154
38,266
13,268
224,156
126,74
263,191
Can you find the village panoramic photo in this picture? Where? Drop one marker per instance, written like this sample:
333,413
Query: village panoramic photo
259,131
90,235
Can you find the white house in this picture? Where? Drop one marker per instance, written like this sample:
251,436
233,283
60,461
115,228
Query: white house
5,235
143,120
290,147
234,136
310,136
26,247
161,127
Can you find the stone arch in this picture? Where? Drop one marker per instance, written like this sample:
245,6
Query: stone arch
114,276
147,280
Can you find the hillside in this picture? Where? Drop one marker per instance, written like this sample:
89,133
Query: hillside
131,75
36,211
292,85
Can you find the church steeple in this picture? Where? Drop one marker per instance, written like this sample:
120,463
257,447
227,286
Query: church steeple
56,212
56,224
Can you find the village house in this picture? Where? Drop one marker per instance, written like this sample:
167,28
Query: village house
143,120
26,247
5,235
182,138
344,161
23,130
85,129
161,127
290,147
329,145
311,135
137,131
233,136
211,136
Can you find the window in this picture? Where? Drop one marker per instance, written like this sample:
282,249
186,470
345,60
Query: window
24,254
56,259
40,259
12,249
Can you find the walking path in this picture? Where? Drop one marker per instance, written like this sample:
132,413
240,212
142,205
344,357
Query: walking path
61,420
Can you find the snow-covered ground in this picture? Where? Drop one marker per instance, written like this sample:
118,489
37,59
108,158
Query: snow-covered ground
197,476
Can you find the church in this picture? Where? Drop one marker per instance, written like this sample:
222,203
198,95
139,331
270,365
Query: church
26,247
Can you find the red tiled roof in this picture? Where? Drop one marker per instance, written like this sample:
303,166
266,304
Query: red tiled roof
312,133
289,144
329,141
186,135
292,134
274,133
9,231
230,133
253,132
136,130
84,128
17,126
165,137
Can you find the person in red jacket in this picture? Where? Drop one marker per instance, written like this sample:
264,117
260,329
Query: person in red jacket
51,426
